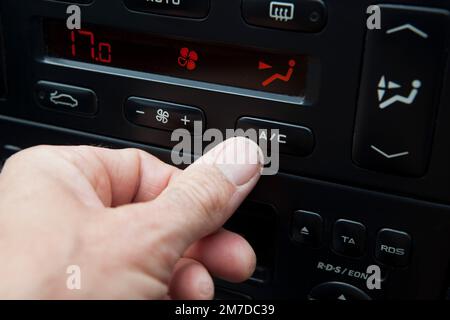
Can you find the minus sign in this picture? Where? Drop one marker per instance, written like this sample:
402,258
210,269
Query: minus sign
140,112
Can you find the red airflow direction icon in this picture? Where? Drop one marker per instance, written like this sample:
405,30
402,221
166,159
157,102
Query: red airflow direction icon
277,76
188,59
264,66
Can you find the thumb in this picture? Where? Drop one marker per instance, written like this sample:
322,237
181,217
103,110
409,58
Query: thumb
204,196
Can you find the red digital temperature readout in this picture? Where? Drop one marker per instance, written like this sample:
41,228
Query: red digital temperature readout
278,73
100,52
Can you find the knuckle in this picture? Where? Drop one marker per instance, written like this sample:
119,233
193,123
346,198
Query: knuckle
30,154
206,193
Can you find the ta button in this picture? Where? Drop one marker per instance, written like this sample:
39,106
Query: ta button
349,238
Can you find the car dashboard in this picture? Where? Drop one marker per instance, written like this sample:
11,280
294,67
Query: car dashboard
357,90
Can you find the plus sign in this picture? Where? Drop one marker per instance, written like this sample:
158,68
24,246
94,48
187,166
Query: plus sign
185,120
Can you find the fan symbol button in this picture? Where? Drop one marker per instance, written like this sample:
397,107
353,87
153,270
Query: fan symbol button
188,59
162,116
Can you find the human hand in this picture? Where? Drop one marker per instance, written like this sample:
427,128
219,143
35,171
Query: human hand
136,227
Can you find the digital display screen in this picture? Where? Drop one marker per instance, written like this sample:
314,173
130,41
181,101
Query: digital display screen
224,65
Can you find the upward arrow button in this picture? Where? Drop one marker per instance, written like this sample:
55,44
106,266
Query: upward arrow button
307,228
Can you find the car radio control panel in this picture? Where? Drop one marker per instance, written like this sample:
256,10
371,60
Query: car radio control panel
356,95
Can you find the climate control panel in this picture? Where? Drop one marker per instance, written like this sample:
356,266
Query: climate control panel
360,112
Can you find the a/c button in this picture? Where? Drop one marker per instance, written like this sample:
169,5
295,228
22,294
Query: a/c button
292,139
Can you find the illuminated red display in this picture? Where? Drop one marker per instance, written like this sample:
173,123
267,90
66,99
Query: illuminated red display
272,72
84,41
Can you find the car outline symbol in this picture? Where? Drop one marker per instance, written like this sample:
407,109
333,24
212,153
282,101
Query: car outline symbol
58,99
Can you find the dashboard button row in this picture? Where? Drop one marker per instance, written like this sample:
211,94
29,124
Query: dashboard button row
292,139
392,247
296,15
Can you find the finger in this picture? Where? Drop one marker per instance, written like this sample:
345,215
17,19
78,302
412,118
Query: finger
134,175
203,197
226,255
191,281
117,176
